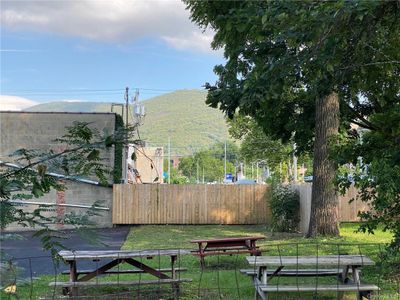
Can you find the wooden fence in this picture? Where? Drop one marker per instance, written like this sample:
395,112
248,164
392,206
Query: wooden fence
190,204
211,204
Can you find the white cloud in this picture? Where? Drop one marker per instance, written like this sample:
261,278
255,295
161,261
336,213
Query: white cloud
15,103
72,101
117,21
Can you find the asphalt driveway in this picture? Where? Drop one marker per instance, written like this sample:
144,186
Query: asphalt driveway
30,260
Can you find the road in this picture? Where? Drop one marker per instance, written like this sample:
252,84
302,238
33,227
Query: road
30,260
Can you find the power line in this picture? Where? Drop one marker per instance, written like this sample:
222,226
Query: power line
120,90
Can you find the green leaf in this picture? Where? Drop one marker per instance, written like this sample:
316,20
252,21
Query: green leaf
133,156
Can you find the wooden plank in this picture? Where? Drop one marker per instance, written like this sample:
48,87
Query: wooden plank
197,203
296,272
115,254
326,260
137,206
187,199
319,287
231,202
212,202
179,210
123,271
230,239
223,252
155,203
223,213
203,203
112,283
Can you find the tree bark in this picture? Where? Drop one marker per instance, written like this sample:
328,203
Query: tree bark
324,200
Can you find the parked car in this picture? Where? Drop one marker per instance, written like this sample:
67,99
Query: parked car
246,181
308,178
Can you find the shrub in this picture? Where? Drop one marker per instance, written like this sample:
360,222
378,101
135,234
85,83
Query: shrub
285,206
118,155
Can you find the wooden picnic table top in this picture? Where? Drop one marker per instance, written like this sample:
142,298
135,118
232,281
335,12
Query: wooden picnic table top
115,254
232,239
322,260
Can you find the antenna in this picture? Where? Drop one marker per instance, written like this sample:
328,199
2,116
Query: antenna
138,108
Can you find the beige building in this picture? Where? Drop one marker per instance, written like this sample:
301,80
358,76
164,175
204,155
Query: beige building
148,164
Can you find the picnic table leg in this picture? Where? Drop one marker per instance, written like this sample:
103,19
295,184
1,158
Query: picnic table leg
343,278
356,278
260,279
202,261
73,277
201,255
253,248
175,286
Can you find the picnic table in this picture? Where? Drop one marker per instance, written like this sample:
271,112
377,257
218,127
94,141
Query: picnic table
226,246
346,268
80,278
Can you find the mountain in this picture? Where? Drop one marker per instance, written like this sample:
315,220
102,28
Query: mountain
182,115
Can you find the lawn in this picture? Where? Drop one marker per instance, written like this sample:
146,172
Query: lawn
221,278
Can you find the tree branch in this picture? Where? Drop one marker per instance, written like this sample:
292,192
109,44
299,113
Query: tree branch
371,64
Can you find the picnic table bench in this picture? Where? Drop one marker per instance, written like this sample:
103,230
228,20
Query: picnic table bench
226,246
346,268
80,278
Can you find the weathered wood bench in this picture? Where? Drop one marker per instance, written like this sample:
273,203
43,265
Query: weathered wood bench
264,268
226,246
84,278
68,284
364,290
297,272
124,271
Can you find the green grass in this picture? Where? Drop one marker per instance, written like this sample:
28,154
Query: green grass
222,280
226,268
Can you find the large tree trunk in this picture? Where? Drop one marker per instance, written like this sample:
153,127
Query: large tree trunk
324,201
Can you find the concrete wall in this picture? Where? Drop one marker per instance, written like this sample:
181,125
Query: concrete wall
304,191
75,193
36,130
347,212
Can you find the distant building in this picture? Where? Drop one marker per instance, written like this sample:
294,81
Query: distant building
148,167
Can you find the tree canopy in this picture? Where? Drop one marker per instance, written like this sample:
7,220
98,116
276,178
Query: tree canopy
281,55
285,60
255,144
210,163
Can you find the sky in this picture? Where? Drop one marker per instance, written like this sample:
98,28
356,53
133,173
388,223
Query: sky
90,50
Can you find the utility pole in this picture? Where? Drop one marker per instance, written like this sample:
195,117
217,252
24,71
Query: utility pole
169,159
257,170
197,172
225,163
294,163
126,136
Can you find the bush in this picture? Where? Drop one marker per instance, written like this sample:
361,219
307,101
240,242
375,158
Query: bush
118,151
285,206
